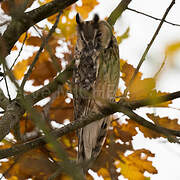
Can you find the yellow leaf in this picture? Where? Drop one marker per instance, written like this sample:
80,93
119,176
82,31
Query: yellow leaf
134,165
20,68
13,178
21,39
122,63
104,172
139,88
125,35
86,8
14,48
66,141
172,49
118,95
65,177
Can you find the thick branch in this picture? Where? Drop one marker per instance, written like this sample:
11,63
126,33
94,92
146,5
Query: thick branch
3,100
123,107
11,117
118,11
153,100
17,149
14,111
24,21
47,10
47,90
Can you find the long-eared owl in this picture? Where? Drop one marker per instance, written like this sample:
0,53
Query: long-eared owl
97,73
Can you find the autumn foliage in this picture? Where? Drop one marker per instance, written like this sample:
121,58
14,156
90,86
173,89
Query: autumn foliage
41,162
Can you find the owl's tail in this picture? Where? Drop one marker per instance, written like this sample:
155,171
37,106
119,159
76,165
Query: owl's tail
91,140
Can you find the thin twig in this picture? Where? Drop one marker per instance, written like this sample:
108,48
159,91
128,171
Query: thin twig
6,84
45,40
4,77
148,47
19,51
17,56
5,22
154,127
10,167
174,24
56,173
49,49
160,69
8,72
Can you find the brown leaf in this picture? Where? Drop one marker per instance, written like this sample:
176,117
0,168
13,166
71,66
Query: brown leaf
165,121
124,132
34,163
26,124
139,88
44,69
147,132
8,6
34,41
60,110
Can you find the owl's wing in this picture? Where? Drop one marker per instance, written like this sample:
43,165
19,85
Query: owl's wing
82,81
106,78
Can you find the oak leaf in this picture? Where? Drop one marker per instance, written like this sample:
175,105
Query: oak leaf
134,165
164,121
86,8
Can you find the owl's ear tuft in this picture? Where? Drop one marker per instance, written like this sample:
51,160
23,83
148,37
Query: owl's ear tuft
78,19
96,18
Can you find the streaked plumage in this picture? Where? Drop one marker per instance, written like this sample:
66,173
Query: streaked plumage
96,72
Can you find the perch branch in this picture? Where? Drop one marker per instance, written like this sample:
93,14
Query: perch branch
123,107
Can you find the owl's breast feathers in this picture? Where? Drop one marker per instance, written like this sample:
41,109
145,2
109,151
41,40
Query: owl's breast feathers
95,79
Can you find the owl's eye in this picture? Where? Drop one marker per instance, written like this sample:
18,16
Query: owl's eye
99,34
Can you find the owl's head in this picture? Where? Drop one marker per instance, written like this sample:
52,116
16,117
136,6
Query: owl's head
93,34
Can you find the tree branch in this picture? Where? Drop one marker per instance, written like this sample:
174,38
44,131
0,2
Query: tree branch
17,149
48,89
24,21
3,100
149,46
15,110
124,107
152,100
11,117
118,11
152,17
44,42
